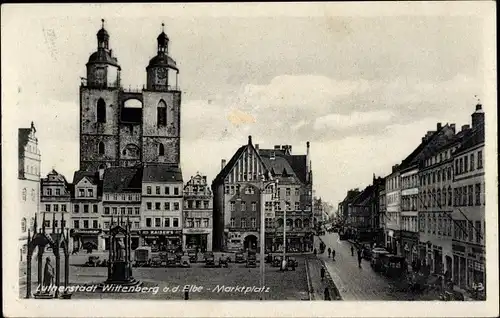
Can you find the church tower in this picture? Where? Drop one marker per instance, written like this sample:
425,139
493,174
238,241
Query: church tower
99,110
161,108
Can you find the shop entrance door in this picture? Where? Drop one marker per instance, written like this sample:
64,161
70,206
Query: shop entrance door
250,242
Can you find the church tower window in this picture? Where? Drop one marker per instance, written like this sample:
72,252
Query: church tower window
100,148
161,112
161,150
101,111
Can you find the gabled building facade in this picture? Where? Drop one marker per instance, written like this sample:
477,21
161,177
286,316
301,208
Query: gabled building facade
28,183
197,214
55,200
238,199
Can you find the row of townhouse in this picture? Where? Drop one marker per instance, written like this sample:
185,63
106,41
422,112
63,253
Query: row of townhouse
431,207
162,212
272,180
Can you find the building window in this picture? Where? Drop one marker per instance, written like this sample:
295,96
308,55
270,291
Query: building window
471,231
232,222
85,224
136,225
81,192
76,208
197,222
106,225
157,222
56,208
189,222
106,210
161,113
23,225
76,224
149,205
167,222
254,206
129,211
148,222
479,159
167,190
297,206
243,223
148,190
94,224
478,232
205,223
226,190
137,211
206,204
47,207
94,208
478,194
456,167
101,111
176,191
157,190
176,222
100,148
58,191
472,163
63,207
176,206
122,210
471,195
115,210
297,192
166,206
233,206
198,204
288,192
157,206
450,197
90,192
253,222
243,206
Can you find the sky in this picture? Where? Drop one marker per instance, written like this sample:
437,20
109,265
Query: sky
362,88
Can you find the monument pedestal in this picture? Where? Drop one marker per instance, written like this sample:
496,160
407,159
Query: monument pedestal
121,274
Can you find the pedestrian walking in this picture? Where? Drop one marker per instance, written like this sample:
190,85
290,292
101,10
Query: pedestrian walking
186,295
360,257
327,294
329,252
322,272
352,250
333,254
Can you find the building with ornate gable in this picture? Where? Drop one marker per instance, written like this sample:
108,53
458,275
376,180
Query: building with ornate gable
238,190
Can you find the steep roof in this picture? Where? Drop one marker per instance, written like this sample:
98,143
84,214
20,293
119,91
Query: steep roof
223,173
472,138
122,179
162,173
92,176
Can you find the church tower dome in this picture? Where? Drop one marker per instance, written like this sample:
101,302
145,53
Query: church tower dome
161,66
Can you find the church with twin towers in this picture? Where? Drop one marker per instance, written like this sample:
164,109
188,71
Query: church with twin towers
114,132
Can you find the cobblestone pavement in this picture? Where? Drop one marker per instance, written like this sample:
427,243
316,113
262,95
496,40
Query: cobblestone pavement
290,285
353,282
318,285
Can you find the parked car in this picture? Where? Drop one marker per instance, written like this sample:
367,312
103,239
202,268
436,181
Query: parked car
171,260
251,260
156,261
142,256
209,259
239,257
193,257
224,262
292,261
185,261
277,261
376,261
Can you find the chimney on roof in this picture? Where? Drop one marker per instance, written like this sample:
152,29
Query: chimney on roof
249,140
465,127
453,127
308,162
222,164
277,147
439,126
478,116
289,149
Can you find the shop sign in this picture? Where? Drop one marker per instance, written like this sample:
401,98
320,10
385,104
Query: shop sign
86,231
196,231
160,232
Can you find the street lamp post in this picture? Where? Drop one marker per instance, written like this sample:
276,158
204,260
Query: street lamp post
263,188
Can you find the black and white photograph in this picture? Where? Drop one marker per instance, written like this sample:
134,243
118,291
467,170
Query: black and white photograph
308,159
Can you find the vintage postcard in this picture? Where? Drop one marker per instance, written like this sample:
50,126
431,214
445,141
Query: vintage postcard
309,159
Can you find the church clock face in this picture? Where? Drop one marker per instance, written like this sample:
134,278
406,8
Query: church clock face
161,76
100,76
